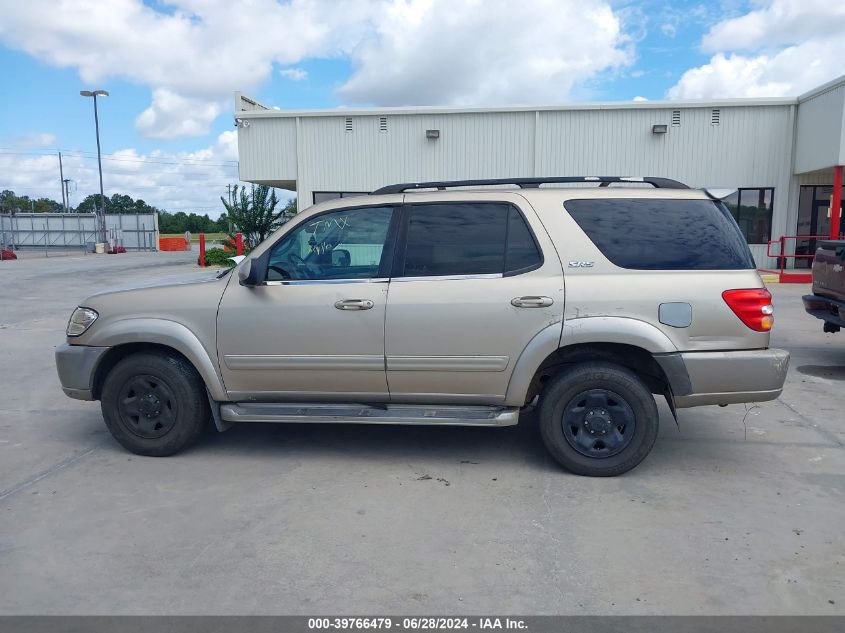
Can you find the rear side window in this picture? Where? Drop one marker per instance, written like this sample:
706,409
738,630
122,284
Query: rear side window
467,239
522,254
650,234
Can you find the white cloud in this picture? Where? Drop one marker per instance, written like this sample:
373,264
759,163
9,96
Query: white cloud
784,47
404,51
495,51
175,181
294,74
171,115
44,139
638,98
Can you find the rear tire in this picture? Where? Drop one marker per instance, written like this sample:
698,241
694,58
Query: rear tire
154,403
598,419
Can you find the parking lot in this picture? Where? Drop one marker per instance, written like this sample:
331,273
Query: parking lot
739,510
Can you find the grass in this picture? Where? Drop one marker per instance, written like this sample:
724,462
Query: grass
195,237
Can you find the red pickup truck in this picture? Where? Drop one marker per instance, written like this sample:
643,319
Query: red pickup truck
828,299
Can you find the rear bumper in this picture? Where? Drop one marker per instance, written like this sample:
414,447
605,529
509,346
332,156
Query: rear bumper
726,377
76,365
826,309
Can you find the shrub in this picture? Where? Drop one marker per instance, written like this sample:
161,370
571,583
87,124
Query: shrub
219,257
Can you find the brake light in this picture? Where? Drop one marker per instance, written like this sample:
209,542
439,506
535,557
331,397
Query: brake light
753,306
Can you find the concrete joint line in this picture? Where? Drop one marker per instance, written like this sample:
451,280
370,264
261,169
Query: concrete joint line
70,461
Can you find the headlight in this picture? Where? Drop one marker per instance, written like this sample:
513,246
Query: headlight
81,320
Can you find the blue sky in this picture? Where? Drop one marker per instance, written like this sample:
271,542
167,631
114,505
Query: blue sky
171,68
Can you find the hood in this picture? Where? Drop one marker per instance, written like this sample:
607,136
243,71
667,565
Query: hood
185,279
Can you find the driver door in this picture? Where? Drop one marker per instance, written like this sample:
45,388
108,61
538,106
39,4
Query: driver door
315,330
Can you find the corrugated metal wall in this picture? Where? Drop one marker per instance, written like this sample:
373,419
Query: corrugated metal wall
736,146
267,150
365,158
750,146
821,130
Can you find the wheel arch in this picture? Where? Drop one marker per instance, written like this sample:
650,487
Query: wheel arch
627,342
138,335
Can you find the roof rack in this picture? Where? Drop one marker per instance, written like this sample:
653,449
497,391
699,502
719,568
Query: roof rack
532,183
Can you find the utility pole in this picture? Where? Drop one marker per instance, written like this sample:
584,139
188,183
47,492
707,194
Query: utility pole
62,183
66,193
229,189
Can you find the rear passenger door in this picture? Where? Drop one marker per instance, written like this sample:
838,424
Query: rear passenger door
473,282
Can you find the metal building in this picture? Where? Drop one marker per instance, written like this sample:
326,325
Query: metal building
781,154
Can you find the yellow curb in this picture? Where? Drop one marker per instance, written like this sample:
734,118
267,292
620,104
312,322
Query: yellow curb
770,278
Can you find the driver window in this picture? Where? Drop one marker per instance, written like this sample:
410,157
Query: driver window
342,244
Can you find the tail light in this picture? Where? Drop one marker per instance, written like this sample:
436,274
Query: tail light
753,306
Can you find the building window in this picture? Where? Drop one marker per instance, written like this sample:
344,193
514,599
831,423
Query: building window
323,196
752,210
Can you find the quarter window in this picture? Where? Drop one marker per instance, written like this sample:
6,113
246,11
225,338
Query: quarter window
522,254
342,244
467,239
652,234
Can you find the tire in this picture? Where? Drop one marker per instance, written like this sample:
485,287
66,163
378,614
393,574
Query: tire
598,419
154,403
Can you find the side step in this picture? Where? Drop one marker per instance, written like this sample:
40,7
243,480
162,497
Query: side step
368,414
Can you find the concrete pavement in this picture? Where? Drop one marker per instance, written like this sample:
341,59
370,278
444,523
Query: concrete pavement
740,511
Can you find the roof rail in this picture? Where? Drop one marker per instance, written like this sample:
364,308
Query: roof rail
532,183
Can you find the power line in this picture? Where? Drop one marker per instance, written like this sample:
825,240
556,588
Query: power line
198,162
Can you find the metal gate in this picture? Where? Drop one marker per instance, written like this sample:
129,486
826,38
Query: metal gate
76,230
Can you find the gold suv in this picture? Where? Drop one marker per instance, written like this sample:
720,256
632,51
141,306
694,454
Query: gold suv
449,303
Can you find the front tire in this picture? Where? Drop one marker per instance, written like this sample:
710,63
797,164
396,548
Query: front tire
598,419
154,403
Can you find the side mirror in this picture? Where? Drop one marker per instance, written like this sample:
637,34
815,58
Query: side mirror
246,273
253,270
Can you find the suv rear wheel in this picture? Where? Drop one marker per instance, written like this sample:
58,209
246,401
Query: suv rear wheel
154,403
598,419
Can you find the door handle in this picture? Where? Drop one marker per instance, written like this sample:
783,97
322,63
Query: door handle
353,304
532,302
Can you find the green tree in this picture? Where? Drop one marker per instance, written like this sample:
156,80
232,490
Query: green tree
12,203
253,212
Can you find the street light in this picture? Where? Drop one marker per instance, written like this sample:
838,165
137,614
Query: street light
95,94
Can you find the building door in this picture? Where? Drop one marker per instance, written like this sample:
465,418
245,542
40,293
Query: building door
315,330
472,286
814,216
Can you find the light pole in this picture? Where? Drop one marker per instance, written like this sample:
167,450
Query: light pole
102,214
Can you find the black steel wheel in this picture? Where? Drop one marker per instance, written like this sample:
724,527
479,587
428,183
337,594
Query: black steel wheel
147,406
598,419
598,423
154,403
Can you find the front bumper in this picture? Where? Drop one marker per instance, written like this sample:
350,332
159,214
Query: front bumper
727,377
825,308
76,365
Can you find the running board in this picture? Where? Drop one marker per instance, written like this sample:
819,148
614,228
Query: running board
367,414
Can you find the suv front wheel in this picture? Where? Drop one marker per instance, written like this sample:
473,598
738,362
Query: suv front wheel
598,419
154,403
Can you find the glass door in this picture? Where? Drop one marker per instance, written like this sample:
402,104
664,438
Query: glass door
814,218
